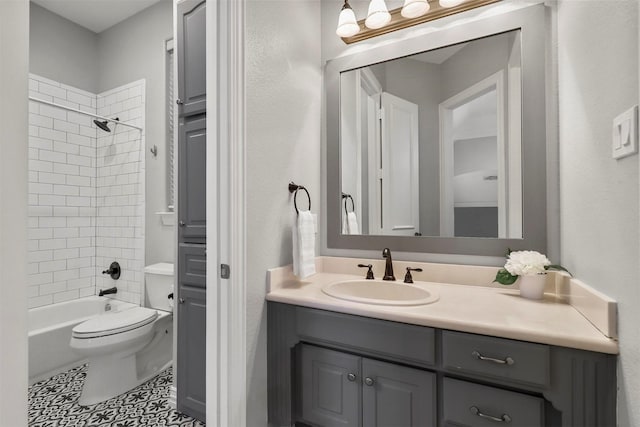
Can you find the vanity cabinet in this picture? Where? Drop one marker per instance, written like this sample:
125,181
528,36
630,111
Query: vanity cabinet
339,388
190,372
327,369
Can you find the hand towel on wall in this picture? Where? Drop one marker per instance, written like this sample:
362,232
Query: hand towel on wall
352,223
345,224
304,245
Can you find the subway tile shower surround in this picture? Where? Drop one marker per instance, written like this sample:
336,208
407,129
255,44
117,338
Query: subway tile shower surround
86,192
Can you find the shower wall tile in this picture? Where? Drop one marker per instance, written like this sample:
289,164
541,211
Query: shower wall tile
86,193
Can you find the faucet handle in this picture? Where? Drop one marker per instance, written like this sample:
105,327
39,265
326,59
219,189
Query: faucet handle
407,277
369,271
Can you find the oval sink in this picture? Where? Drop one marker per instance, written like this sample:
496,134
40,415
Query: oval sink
380,292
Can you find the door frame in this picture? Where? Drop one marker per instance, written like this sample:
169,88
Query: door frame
445,110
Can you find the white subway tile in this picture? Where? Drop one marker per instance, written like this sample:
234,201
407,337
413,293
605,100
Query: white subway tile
59,233
32,268
79,262
66,253
78,242
79,222
33,130
40,210
66,190
38,279
47,266
52,288
79,98
40,166
66,169
55,135
39,233
39,188
61,101
52,244
65,296
50,221
51,200
37,256
53,112
65,147
79,181
65,126
55,91
78,160
79,284
52,156
40,301
40,121
41,143
66,274
79,139
78,201
51,178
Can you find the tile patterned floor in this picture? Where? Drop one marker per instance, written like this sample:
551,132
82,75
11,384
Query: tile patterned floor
53,403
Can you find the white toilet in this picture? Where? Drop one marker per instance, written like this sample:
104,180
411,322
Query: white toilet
126,348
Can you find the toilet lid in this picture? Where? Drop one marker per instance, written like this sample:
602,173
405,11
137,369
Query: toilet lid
114,323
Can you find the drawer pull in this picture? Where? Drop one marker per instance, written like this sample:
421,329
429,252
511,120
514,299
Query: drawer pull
351,377
506,361
369,381
504,418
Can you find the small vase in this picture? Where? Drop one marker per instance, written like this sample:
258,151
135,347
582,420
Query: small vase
532,287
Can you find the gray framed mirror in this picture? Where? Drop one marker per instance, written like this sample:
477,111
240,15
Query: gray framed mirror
438,143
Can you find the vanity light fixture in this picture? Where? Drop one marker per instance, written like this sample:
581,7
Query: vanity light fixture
378,15
413,12
347,23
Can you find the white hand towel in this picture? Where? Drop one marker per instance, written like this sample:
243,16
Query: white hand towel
345,224
352,223
304,245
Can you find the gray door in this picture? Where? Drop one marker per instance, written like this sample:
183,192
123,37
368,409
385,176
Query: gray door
191,50
191,363
330,387
192,189
397,396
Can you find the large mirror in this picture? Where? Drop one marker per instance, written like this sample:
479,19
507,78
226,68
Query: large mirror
438,143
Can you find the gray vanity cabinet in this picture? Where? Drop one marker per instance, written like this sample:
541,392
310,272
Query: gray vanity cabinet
192,170
333,369
192,81
338,388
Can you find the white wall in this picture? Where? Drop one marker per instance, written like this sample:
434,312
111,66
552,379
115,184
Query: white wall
14,62
129,51
284,89
598,79
62,50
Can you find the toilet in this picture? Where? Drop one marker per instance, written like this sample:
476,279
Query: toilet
128,347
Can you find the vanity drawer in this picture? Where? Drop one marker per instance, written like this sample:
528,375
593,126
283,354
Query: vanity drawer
475,405
496,357
399,341
192,265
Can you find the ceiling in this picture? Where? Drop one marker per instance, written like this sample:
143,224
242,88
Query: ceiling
96,15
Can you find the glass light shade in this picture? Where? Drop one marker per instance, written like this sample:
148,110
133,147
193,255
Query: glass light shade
450,3
347,23
414,8
378,15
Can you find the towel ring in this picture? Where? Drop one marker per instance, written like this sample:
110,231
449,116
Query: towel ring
293,188
353,205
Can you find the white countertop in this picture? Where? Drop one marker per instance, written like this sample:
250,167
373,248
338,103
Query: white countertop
485,310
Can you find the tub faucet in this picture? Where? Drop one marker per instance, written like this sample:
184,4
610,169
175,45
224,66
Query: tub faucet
388,267
104,292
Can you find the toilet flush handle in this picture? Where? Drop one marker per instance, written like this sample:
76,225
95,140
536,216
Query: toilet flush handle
181,300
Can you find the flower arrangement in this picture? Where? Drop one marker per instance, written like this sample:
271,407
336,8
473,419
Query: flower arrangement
524,263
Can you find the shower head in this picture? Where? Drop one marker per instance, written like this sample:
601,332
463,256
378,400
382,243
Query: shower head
103,125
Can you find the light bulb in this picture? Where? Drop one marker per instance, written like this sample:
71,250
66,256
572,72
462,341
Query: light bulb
347,23
450,3
378,15
414,8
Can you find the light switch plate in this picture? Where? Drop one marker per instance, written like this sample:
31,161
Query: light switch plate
625,134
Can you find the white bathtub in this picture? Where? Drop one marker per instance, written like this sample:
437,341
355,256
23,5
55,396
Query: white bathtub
50,332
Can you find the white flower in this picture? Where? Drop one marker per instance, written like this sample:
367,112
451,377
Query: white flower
526,263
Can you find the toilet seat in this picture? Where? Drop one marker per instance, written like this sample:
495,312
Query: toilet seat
114,323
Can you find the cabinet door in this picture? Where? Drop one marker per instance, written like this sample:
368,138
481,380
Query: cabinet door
330,387
192,265
192,190
191,354
398,396
191,50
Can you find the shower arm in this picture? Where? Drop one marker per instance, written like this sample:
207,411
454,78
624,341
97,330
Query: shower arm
53,104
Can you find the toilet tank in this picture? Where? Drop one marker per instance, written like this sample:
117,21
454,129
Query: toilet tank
158,285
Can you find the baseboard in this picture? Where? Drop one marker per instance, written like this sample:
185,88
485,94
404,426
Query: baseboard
173,397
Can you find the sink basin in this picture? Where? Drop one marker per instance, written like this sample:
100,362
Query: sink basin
380,292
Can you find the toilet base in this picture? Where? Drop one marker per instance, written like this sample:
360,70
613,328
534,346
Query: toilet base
108,377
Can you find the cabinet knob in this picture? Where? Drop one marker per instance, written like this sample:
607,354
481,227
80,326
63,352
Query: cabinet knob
181,300
351,377
369,381
181,223
179,101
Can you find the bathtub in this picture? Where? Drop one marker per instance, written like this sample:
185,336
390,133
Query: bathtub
50,332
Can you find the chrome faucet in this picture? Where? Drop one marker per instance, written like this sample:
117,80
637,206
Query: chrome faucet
388,267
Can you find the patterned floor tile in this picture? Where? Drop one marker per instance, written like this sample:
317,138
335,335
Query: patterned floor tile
54,403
